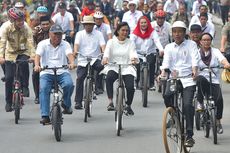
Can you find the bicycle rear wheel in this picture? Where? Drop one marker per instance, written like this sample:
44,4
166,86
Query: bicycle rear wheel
57,121
119,111
214,127
171,131
16,103
145,87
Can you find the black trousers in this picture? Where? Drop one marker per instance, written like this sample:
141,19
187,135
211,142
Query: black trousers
35,80
224,13
112,76
151,59
81,75
187,99
204,89
10,73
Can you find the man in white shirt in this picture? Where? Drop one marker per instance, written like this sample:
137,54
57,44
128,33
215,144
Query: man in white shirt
132,16
65,20
170,7
88,43
162,27
196,5
207,27
181,58
54,52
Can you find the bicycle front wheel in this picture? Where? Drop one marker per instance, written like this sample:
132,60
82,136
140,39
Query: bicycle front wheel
57,121
206,126
17,106
88,98
171,131
145,87
119,111
214,127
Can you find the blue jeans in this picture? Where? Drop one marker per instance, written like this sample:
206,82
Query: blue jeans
46,83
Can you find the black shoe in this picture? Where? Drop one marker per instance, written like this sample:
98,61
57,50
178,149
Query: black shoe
98,91
219,128
8,107
67,110
3,79
36,101
45,120
78,106
26,92
128,110
110,107
189,142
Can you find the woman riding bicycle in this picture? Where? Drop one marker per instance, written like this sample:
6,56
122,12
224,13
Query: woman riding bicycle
146,40
210,57
120,50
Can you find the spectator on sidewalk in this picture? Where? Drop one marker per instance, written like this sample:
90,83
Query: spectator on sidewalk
224,7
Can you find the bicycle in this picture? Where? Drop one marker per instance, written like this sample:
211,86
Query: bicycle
144,77
56,112
120,98
17,97
173,129
207,118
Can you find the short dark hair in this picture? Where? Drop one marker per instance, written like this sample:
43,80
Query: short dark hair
204,14
44,18
203,6
119,26
206,34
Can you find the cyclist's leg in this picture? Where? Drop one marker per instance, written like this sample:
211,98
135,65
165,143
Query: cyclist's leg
138,67
35,80
24,74
203,88
81,74
218,98
46,82
188,94
151,60
111,77
98,81
9,76
66,83
129,85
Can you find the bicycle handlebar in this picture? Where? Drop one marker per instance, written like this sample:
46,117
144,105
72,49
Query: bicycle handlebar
211,67
54,68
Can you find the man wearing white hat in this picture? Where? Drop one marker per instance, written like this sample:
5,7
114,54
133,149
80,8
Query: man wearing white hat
132,16
88,42
181,58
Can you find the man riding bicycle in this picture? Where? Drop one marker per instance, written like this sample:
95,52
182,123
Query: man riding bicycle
16,44
54,52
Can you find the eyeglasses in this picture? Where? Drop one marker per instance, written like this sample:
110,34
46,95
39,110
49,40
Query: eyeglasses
206,40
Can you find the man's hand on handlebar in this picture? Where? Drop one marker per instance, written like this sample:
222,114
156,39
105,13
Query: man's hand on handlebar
37,68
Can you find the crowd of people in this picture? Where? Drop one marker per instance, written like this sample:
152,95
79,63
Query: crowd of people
54,33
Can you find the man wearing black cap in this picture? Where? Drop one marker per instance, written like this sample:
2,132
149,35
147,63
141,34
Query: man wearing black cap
65,20
40,33
54,52
195,33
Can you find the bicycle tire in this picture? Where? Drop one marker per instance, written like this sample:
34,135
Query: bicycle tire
57,121
87,100
206,127
168,136
119,111
145,87
198,120
214,127
16,107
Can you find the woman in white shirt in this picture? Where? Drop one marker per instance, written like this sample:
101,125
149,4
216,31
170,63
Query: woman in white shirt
210,57
120,50
147,41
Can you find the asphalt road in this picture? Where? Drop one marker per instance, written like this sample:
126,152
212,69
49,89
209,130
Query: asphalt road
142,132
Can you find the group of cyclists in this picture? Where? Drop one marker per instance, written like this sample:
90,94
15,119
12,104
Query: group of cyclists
164,28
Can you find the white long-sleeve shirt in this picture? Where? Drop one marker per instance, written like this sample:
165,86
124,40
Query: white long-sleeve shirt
196,5
120,52
181,58
171,7
132,19
164,32
148,45
216,59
